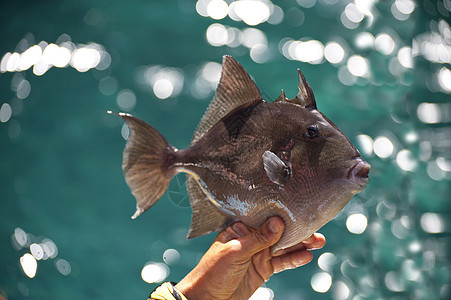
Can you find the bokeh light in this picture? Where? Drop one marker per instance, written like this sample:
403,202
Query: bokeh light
405,160
432,223
358,66
365,143
165,81
341,290
405,57
63,266
207,79
5,112
429,113
217,9
356,223
353,13
334,52
154,272
171,256
217,35
252,12
383,147
321,282
37,251
384,43
364,40
44,56
326,261
262,293
126,99
394,282
23,89
405,6
310,51
444,79
29,264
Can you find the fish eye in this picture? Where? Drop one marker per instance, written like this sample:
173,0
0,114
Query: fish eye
311,132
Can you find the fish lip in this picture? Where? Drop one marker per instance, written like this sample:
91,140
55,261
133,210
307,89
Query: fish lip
358,173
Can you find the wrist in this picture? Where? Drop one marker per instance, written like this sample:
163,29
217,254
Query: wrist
189,288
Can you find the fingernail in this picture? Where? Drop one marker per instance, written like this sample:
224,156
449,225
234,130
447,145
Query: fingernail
280,252
309,240
273,227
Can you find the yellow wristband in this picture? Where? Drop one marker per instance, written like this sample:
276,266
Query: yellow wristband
166,291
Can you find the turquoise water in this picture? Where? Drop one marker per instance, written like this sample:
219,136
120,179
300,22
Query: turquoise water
379,69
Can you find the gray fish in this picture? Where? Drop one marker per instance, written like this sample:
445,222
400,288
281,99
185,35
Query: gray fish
249,160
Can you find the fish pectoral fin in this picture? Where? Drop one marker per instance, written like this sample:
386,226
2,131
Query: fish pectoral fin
206,217
276,169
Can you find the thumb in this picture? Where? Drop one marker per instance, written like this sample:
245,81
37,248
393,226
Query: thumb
264,237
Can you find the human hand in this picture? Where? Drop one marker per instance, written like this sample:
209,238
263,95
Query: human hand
240,260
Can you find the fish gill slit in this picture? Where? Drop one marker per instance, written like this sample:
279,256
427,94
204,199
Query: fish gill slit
279,204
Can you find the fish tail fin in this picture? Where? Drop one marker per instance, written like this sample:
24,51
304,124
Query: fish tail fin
146,163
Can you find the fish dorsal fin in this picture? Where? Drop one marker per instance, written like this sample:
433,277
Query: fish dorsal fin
235,88
282,97
276,169
304,98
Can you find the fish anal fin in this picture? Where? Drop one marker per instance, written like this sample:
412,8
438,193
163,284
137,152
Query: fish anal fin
235,89
276,169
206,217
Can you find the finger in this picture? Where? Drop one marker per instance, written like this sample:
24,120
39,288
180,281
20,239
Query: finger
262,264
235,231
291,260
265,236
261,268
227,234
315,241
294,248
309,240
242,229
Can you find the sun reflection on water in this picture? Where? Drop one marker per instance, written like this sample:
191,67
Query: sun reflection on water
5,112
251,12
40,249
165,81
321,282
262,293
44,56
154,272
29,264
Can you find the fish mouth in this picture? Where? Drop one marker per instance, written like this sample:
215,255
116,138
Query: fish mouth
358,173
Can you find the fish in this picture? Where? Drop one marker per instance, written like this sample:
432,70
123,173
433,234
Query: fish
249,160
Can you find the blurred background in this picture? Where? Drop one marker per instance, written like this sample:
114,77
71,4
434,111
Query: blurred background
379,69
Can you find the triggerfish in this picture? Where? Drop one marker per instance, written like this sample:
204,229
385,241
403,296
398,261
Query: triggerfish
249,160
